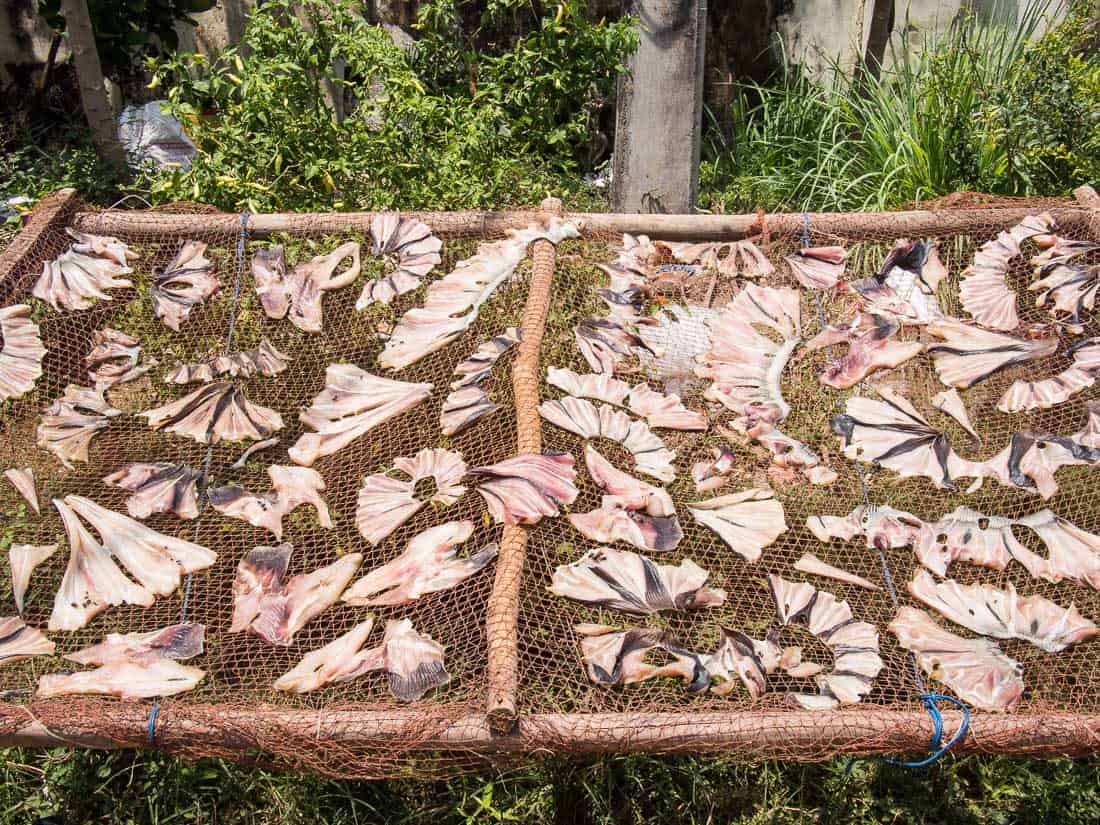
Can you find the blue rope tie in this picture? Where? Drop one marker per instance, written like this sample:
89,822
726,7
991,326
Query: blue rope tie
154,712
938,750
805,230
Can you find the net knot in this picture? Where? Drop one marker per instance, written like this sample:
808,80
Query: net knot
930,701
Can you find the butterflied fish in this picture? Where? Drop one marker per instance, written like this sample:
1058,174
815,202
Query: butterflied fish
585,419
618,657
599,386
524,489
352,403
904,288
429,564
961,536
811,565
949,402
975,669
1024,396
23,559
341,660
282,608
621,580
817,267
983,289
161,487
410,252
215,412
1031,460
101,246
293,487
21,353
385,502
264,359
23,481
713,473
133,666
452,304
187,281
968,355
870,347
76,280
1068,293
1003,614
414,661
114,358
308,282
269,279
667,411
748,659
747,521
882,527
18,641
71,422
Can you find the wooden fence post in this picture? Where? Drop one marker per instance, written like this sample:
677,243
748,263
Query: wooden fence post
659,109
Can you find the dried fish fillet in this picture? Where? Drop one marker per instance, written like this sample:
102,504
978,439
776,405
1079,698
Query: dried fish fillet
625,491
215,412
969,355
274,609
617,657
101,246
904,288
1072,553
341,660
961,536
524,489
870,348
385,503
293,487
605,342
1003,614
738,654
598,386
429,564
817,267
667,411
161,487
975,669
793,600
269,279
23,558
19,641
308,282
983,289
186,282
352,403
714,473
882,527
453,303
1069,293
21,352
23,482
410,251
264,359
949,402
633,583
583,418
1030,461
114,358
811,565
747,521
133,666
69,424
469,402
413,661
252,450
76,280
1024,396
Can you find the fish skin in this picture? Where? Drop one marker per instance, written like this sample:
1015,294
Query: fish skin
68,425
385,503
713,474
339,661
80,276
22,352
187,281
1073,289
612,657
411,250
871,347
181,642
309,281
213,413
429,564
414,661
113,358
261,571
283,612
19,641
811,565
965,355
23,559
23,482
269,280
667,411
1024,396
817,267
747,521
159,487
751,660
598,386
524,489
975,669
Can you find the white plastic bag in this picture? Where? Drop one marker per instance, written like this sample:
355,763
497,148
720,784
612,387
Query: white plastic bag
151,137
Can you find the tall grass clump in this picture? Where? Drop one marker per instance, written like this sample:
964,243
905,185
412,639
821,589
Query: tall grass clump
990,108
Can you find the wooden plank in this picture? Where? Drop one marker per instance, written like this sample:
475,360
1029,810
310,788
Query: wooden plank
659,109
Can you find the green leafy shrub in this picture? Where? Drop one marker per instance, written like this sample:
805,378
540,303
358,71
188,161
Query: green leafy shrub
35,162
985,108
267,140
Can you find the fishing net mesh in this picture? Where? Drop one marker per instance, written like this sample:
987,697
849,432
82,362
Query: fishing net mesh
356,729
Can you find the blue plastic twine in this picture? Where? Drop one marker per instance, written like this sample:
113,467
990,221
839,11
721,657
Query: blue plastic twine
154,712
938,750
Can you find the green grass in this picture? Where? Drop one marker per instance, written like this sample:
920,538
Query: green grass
152,788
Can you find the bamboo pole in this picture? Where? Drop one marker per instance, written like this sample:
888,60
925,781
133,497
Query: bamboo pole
503,609
593,224
793,734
